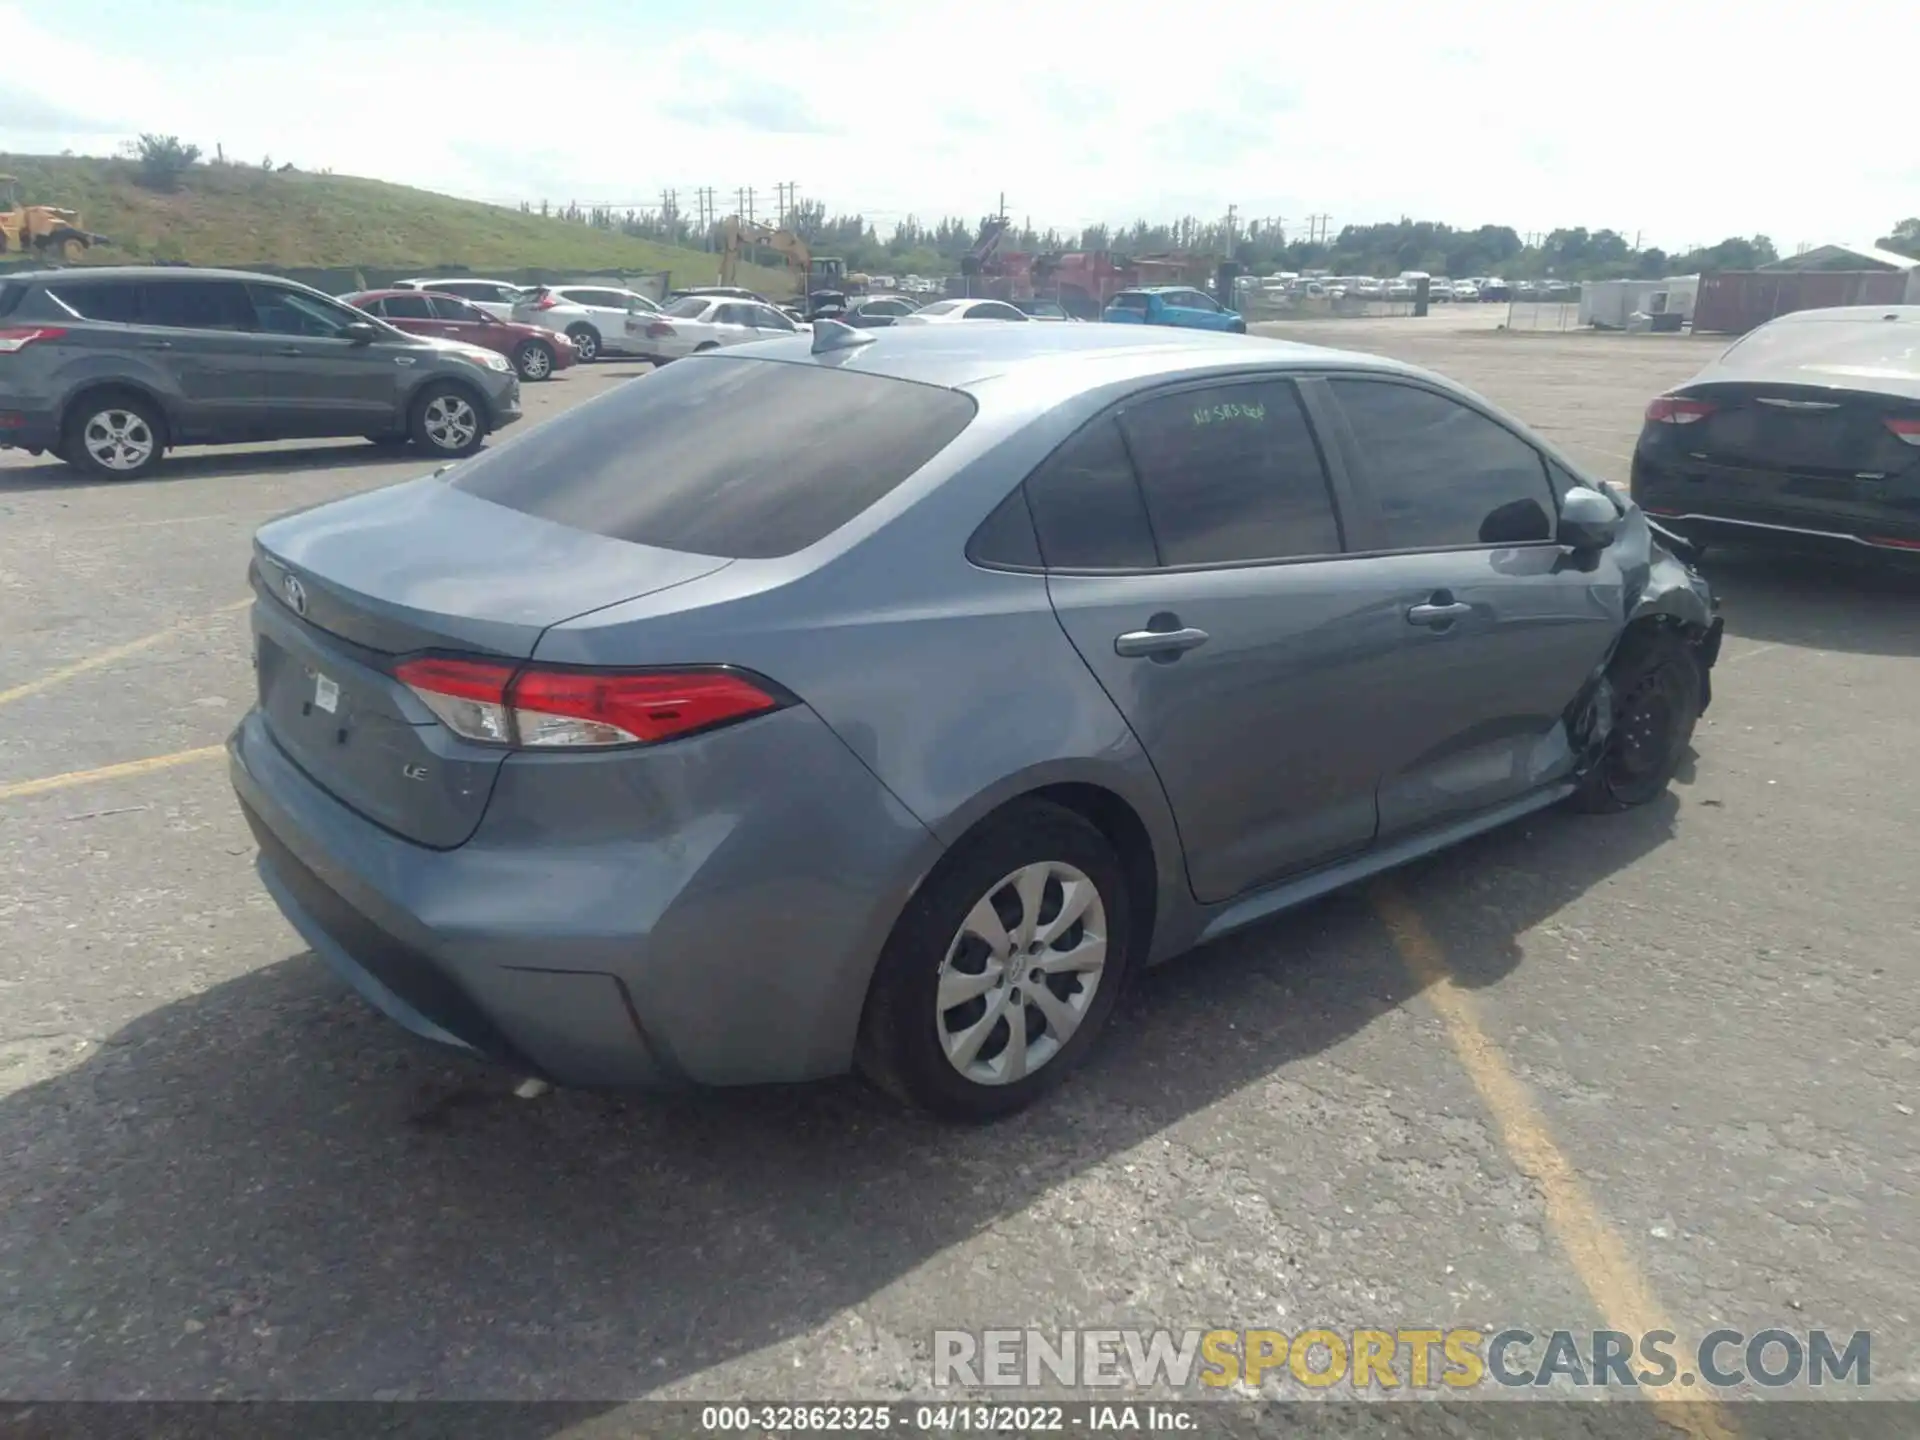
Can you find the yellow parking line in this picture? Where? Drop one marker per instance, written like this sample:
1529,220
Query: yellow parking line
23,788
110,656
1619,1290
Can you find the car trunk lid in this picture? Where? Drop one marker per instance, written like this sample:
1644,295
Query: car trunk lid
343,593
1799,450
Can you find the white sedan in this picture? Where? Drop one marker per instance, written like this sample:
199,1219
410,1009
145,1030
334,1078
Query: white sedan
704,322
941,311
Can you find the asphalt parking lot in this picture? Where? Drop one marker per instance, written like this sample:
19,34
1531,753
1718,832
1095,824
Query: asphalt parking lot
1648,1071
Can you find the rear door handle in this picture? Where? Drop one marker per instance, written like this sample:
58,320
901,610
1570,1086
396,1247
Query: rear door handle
156,344
291,350
1437,615
1158,642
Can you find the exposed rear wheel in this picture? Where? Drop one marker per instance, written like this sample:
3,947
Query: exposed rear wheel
1656,703
445,421
116,436
1002,970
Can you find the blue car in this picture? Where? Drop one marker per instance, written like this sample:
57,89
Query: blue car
1178,305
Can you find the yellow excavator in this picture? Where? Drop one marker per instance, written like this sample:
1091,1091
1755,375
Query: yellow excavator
40,229
817,274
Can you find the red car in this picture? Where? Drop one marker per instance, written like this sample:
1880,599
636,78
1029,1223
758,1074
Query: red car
536,353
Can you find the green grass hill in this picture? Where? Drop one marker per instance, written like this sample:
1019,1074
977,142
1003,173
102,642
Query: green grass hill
243,215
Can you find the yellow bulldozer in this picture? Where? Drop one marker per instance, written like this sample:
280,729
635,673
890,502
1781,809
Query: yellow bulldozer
41,230
814,274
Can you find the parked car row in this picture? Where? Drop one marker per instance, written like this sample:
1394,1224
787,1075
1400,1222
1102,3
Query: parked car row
108,368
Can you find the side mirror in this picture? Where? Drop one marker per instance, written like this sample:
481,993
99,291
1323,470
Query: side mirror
1588,519
359,332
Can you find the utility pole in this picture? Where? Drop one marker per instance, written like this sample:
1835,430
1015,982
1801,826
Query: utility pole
1001,213
1233,212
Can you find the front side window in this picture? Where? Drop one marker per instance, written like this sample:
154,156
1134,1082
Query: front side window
445,307
292,312
1231,473
1443,474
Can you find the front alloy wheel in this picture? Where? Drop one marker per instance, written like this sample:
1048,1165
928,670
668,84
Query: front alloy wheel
450,422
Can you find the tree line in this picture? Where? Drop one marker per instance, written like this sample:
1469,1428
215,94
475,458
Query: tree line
914,246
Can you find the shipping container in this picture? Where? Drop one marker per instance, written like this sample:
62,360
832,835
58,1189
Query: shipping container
1736,301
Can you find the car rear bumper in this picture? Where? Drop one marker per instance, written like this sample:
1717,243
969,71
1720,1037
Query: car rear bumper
1767,509
710,915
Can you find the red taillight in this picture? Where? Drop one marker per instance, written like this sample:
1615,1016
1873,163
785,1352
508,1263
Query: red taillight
1891,543
1907,430
659,328
1673,410
578,709
18,337
545,302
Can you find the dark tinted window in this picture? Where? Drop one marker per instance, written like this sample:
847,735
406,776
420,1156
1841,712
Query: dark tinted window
103,300
1086,505
1444,474
10,293
407,307
664,460
734,315
1129,302
297,312
994,310
445,307
196,304
1231,473
608,299
1006,536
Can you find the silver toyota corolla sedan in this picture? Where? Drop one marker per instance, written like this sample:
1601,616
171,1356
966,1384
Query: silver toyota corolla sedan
881,701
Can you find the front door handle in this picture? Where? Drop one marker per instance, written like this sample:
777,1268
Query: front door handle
291,350
1158,642
1437,616
156,344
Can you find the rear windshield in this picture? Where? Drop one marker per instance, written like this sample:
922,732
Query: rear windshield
748,459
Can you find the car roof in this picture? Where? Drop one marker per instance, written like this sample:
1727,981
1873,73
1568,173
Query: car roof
465,280
145,272
391,293
959,356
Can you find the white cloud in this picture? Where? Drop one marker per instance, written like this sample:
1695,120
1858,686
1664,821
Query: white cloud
1687,122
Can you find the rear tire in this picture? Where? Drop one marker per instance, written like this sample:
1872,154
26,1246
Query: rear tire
534,360
445,421
586,340
1657,692
972,949
114,435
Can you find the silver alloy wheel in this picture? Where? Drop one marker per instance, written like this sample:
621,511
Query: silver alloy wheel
587,343
535,363
119,440
450,422
1021,973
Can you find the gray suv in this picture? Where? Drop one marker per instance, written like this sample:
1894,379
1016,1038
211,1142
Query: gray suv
108,368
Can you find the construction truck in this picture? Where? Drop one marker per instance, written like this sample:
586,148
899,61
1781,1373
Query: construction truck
813,274
41,230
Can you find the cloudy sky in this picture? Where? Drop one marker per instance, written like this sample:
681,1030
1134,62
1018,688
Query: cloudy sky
1684,122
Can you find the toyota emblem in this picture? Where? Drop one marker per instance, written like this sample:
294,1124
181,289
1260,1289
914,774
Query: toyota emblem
296,594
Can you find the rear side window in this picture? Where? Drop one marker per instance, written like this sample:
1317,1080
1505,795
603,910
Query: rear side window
117,303
1129,302
665,460
196,304
1231,473
1443,474
407,307
1087,508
